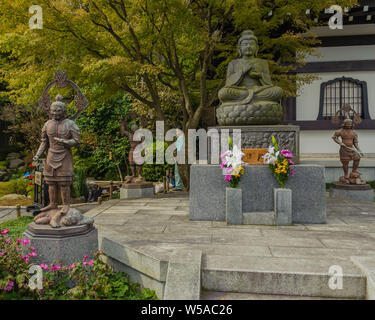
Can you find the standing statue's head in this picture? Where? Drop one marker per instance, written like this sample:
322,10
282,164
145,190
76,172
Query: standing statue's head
348,124
58,108
134,127
248,44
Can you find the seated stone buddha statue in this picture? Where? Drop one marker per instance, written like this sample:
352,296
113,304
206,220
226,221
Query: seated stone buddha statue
249,97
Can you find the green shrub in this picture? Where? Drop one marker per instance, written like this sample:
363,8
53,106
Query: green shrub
20,186
80,188
155,172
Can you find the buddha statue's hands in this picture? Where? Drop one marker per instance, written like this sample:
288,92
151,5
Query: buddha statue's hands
255,75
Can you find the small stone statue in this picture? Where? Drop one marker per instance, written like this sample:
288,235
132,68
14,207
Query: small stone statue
132,160
249,97
349,151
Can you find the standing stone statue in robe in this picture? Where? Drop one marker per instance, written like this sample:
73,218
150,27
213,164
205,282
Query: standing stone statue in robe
349,151
59,135
135,165
249,97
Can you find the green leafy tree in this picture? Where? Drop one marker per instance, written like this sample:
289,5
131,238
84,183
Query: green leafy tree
147,47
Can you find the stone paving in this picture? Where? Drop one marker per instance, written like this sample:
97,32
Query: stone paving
350,230
158,227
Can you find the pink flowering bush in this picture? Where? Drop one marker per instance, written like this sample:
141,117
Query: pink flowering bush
82,280
15,258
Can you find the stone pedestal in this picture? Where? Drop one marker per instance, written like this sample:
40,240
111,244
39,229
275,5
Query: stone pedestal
259,137
356,192
67,244
233,205
137,190
208,192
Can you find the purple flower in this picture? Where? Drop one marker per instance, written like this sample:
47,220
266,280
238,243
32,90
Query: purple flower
228,177
2,253
9,287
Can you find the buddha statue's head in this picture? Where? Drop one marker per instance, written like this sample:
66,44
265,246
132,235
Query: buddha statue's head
248,44
58,108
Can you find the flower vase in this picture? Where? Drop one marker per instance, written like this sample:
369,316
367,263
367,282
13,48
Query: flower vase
283,206
233,207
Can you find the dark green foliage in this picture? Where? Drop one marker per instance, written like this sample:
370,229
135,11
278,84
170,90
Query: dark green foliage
100,135
80,188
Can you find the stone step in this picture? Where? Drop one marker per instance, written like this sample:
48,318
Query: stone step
267,218
281,276
216,295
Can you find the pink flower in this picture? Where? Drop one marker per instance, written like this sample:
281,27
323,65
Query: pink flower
8,240
229,170
2,253
5,231
44,266
228,177
25,242
85,257
223,164
91,263
32,248
33,254
18,240
71,266
223,155
100,252
290,161
55,268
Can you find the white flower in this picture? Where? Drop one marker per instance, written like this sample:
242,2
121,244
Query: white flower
270,157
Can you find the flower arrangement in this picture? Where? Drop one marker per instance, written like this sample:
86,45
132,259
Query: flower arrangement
232,164
279,162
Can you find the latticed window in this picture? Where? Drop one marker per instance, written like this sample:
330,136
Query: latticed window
336,93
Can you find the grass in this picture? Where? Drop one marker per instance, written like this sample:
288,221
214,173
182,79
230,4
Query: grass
16,226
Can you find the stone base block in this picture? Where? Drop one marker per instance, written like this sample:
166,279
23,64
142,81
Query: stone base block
259,137
266,218
352,192
233,206
66,244
208,192
137,190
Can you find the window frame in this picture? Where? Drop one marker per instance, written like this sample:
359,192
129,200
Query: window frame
363,84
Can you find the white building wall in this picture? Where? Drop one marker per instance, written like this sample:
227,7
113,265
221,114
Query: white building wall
319,141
